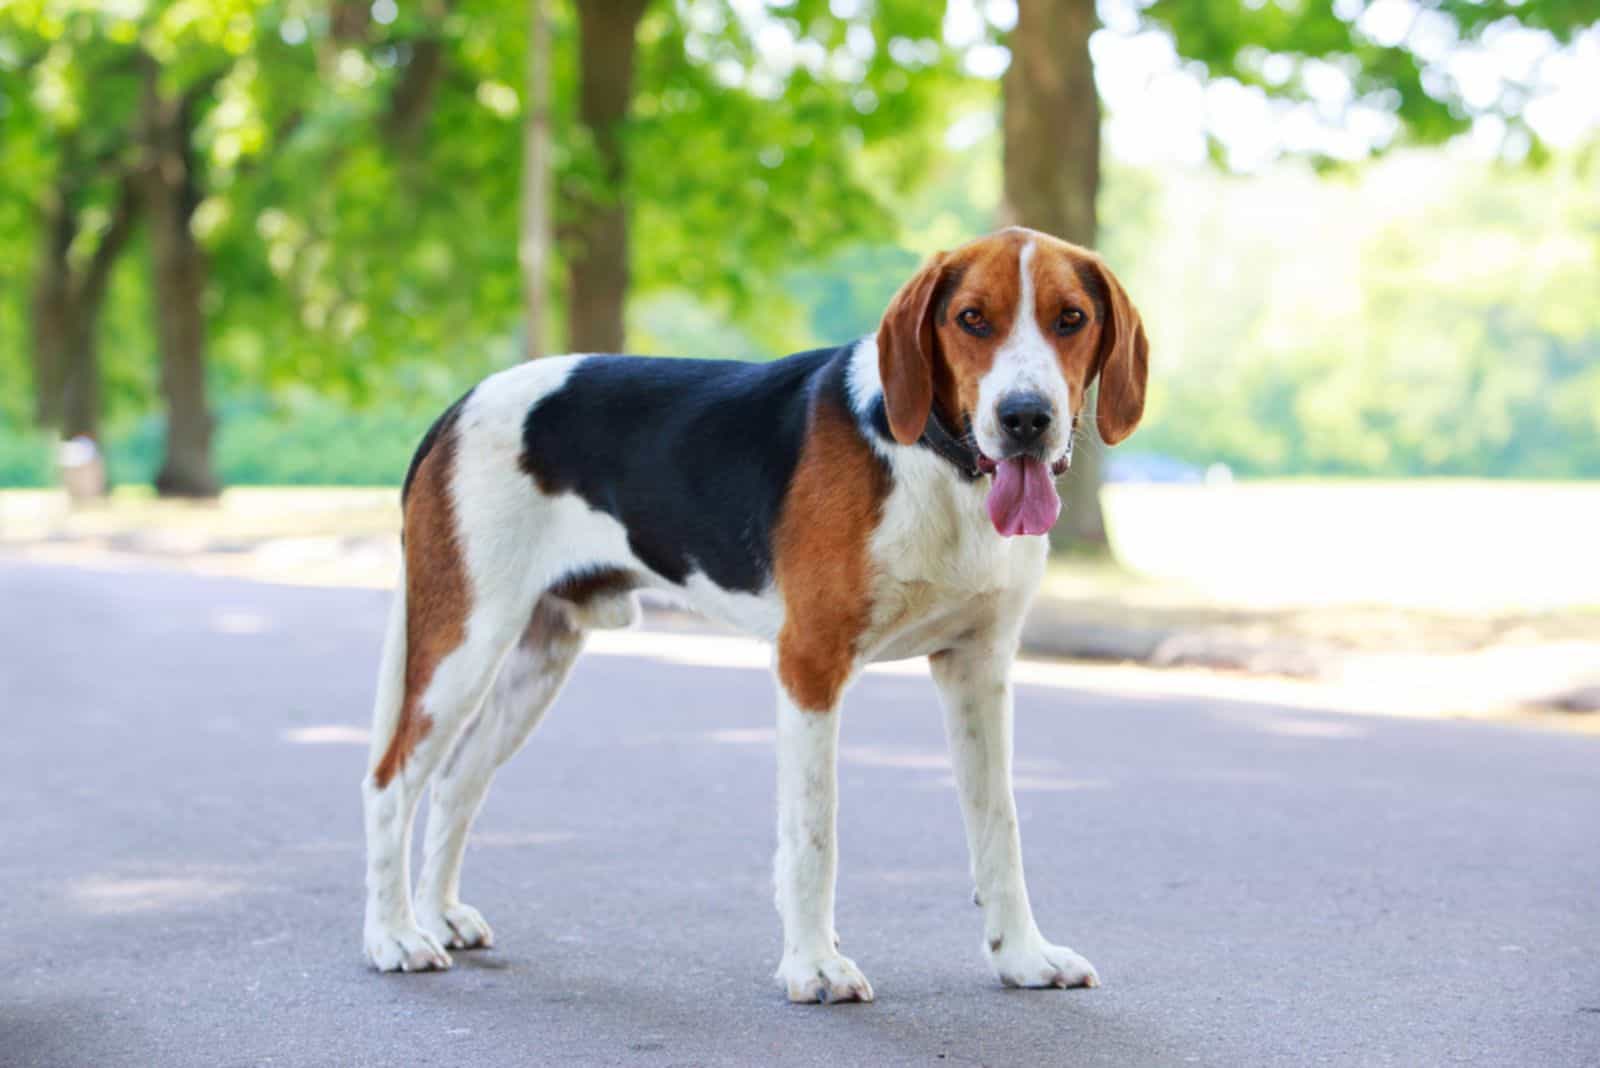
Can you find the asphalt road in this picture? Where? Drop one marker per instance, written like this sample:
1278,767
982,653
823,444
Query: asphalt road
180,866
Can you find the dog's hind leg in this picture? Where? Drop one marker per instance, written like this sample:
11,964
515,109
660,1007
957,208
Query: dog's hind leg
529,679
456,616
446,678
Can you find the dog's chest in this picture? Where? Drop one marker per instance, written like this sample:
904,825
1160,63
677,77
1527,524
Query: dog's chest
941,573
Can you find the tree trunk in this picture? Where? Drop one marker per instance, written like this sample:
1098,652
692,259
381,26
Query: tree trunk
1051,121
49,313
597,264
533,244
411,101
81,399
80,389
67,302
179,269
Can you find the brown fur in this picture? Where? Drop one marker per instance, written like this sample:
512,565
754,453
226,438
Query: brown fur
1122,359
989,282
437,597
906,351
821,557
925,357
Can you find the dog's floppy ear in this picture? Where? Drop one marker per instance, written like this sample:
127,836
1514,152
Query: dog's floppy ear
1123,362
905,353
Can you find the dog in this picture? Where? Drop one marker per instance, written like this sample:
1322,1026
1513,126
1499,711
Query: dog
876,501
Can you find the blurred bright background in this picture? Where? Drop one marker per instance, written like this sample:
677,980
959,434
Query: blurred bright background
261,243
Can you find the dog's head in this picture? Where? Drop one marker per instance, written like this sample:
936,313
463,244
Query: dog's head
1004,336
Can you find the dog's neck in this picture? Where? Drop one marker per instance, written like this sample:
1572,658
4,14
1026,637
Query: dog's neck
948,445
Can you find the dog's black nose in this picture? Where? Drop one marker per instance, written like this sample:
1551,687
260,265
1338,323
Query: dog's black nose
1025,417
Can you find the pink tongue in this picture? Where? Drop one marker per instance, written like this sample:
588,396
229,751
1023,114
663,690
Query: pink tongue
1023,498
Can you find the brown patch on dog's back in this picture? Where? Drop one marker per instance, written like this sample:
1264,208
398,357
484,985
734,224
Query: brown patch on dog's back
437,593
821,561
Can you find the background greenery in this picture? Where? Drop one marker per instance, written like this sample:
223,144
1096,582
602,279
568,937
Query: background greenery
1429,312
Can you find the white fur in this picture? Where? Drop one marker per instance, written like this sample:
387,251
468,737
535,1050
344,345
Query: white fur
944,582
1025,362
515,543
975,687
528,681
941,570
807,858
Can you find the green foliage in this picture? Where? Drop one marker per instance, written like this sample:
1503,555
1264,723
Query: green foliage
1275,46
788,172
26,460
339,250
318,443
772,158
311,443
1434,317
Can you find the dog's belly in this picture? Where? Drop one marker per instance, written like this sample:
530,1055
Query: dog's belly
757,614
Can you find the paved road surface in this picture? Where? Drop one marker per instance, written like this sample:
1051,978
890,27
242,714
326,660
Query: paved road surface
180,865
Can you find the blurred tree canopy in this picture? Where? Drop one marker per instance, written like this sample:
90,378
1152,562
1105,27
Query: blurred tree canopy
1387,56
327,191
289,210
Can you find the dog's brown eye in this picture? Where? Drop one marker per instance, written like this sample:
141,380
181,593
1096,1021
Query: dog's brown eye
972,322
1069,320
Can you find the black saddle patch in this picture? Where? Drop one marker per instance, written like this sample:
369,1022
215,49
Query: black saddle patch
692,457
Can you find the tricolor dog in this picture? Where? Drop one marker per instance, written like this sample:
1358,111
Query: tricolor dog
872,502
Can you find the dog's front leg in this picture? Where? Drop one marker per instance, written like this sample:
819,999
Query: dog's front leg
807,860
974,683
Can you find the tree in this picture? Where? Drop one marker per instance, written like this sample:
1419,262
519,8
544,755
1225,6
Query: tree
533,242
88,57
1050,100
1051,128
324,194
70,284
170,187
596,234
70,166
173,114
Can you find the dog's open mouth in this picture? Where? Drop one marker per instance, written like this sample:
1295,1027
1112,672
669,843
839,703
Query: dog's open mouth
1022,498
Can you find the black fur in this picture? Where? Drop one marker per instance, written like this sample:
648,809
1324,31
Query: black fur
937,436
693,457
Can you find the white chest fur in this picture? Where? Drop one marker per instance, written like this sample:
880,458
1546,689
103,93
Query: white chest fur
941,570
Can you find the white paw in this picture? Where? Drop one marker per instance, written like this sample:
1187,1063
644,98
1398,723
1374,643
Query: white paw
1036,963
404,949
827,979
456,926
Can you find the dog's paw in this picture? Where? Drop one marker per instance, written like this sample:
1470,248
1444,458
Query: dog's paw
404,949
828,980
455,926
1035,963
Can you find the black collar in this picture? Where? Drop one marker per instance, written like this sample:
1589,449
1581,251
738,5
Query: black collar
936,435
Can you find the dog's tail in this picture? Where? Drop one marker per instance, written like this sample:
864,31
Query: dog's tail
391,684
